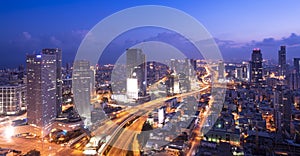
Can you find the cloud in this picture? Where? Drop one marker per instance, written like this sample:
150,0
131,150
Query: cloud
26,35
27,42
55,41
269,47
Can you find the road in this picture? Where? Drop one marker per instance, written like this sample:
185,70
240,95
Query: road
25,145
144,109
129,141
197,131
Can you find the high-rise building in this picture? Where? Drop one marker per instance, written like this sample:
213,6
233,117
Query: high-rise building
293,80
297,65
41,89
221,70
170,83
136,69
193,64
58,54
246,71
282,108
287,110
282,61
256,67
12,99
81,84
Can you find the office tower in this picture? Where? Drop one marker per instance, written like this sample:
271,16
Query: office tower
21,72
136,69
58,54
81,84
170,84
189,67
193,63
239,72
173,64
246,71
297,65
256,67
282,108
282,61
41,89
12,99
92,84
287,110
293,80
221,69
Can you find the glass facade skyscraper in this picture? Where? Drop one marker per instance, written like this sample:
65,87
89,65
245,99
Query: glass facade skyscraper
282,61
136,68
58,54
256,67
41,89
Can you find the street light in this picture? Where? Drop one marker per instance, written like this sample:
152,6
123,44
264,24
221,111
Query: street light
9,132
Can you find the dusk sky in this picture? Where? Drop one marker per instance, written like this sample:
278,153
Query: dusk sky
238,26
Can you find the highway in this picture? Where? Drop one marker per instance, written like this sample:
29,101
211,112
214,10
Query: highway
124,139
142,109
129,143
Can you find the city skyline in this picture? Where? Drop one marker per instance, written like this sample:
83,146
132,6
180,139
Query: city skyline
150,78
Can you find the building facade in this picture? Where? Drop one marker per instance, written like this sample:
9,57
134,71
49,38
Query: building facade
58,55
256,67
282,61
12,99
136,69
41,89
82,84
297,65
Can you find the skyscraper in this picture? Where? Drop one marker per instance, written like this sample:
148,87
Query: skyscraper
282,61
297,65
246,66
221,70
41,89
58,54
136,69
256,67
81,83
293,80
282,108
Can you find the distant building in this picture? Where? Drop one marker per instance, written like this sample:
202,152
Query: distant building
239,72
170,84
256,67
132,90
282,108
282,61
136,69
82,84
12,99
246,66
58,59
293,80
193,63
221,70
297,65
41,89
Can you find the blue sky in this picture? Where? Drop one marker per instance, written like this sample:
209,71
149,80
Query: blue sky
238,26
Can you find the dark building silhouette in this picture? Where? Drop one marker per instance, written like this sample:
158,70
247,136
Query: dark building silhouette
256,67
297,65
282,61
